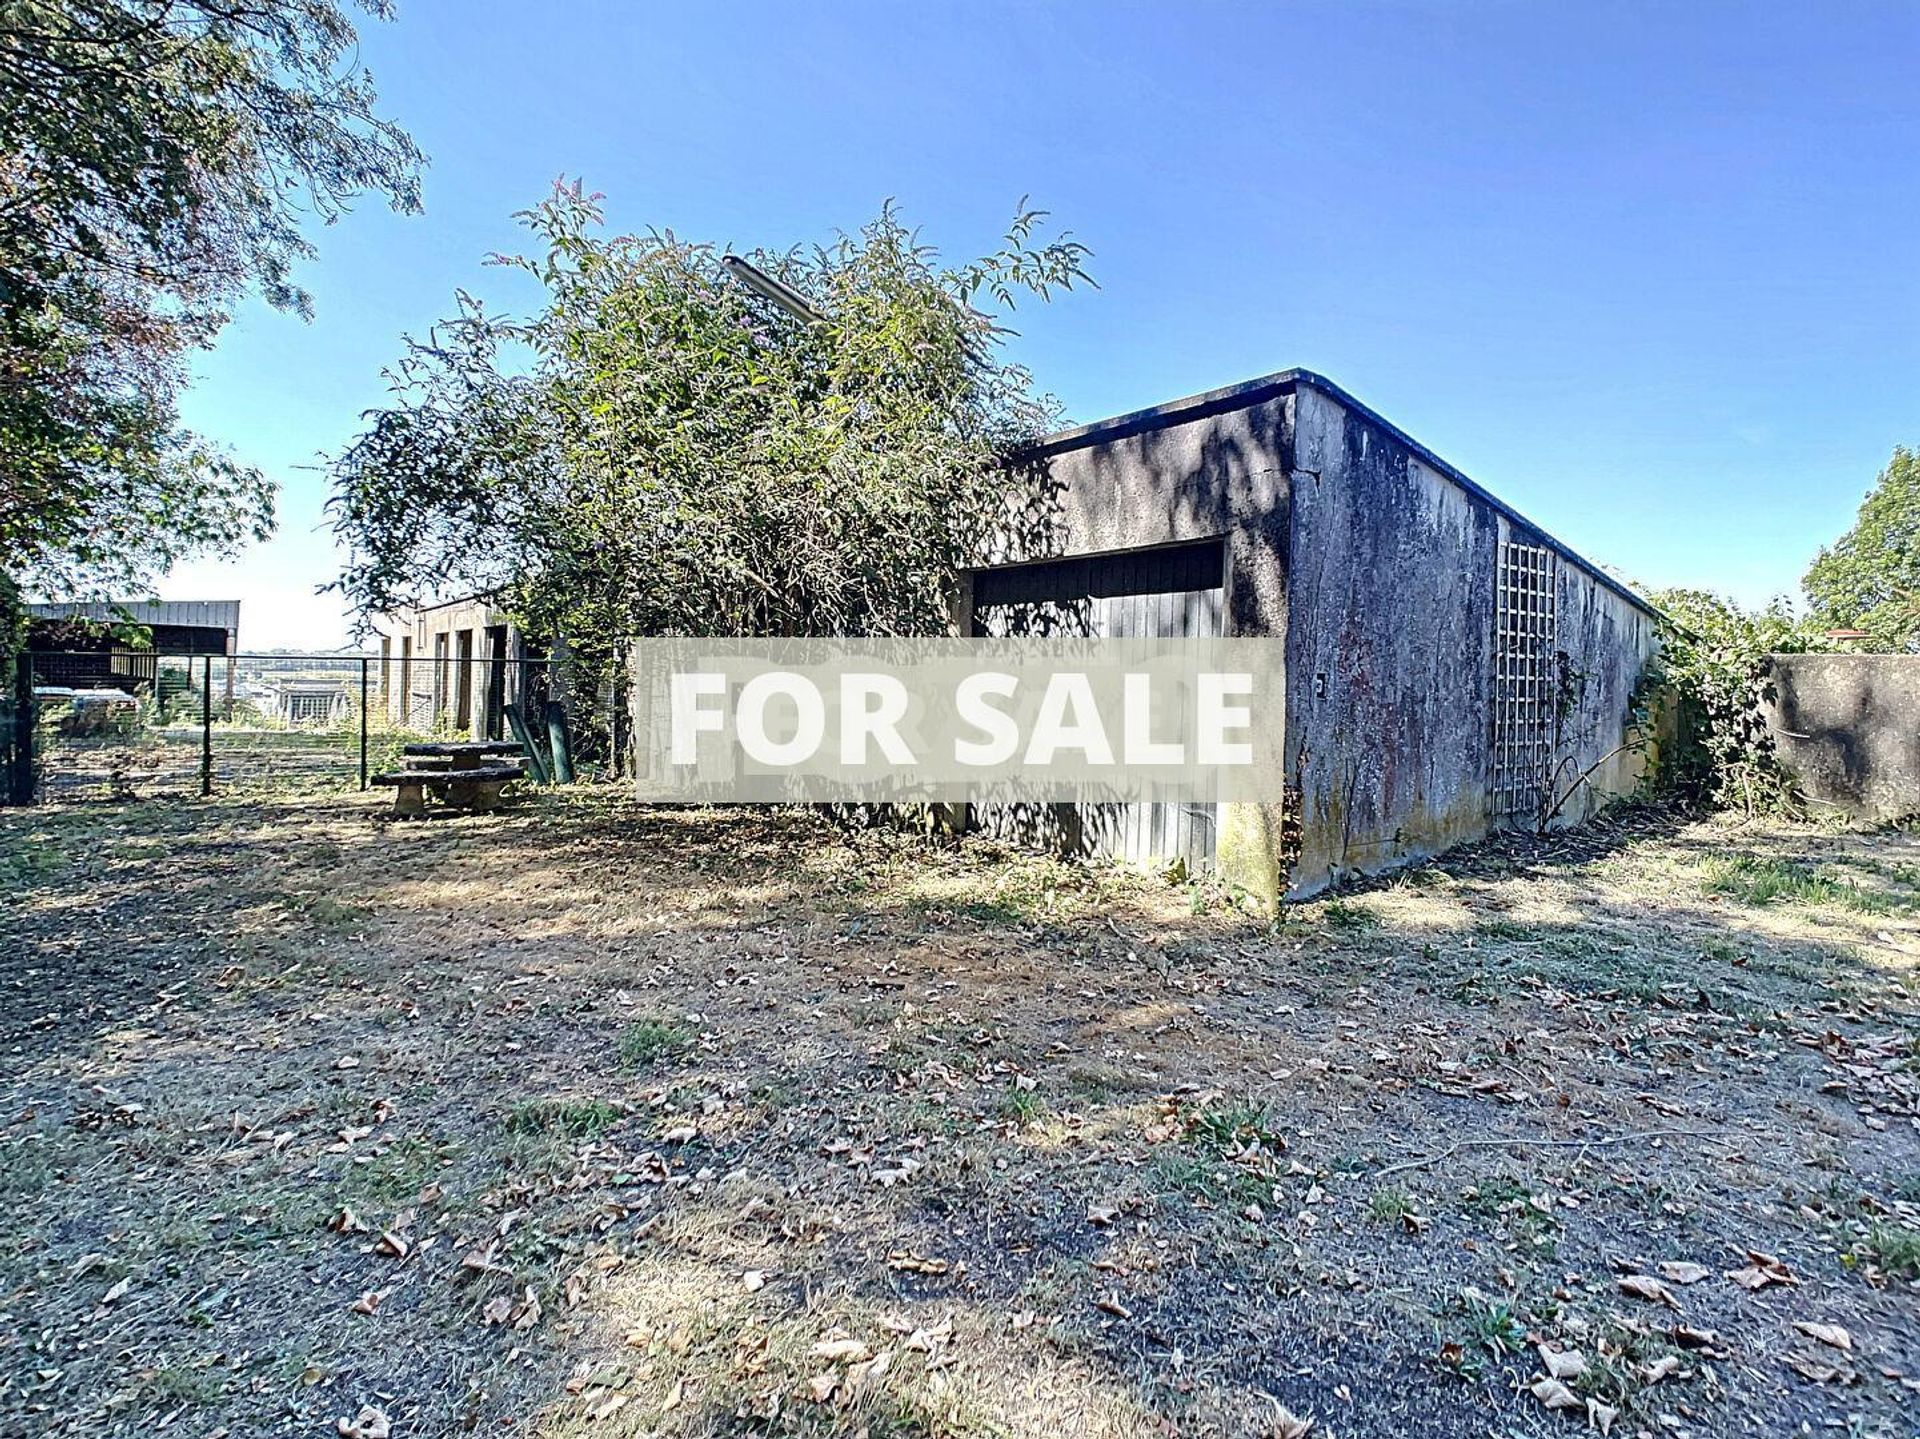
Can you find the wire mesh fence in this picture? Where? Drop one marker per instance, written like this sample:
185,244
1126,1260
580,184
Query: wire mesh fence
126,723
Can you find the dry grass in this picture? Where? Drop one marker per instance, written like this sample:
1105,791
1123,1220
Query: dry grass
712,1123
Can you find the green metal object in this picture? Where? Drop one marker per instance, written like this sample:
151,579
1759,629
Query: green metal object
536,757
561,741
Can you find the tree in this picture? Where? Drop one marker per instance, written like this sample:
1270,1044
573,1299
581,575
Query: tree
158,159
659,450
1870,579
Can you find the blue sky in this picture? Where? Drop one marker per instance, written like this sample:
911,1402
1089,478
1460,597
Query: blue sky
1647,271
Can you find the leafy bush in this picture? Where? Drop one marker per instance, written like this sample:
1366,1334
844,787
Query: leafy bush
1714,659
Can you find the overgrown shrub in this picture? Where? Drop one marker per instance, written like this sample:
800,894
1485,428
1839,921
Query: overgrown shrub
1714,660
659,450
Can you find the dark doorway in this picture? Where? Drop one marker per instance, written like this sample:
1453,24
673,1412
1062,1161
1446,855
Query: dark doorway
496,680
463,713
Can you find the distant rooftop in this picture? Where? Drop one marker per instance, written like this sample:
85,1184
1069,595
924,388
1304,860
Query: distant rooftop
201,614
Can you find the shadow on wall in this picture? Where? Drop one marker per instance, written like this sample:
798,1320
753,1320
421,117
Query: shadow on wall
1847,728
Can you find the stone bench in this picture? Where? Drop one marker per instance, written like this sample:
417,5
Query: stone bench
476,788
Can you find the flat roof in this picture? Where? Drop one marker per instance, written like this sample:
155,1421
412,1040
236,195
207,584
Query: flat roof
204,614
1253,392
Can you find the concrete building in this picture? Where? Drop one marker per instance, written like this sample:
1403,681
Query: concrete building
452,666
1450,667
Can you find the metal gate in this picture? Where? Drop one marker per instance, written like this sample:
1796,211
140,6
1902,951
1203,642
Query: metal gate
1172,592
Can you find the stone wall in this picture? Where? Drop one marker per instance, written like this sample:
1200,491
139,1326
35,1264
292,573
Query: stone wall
1847,728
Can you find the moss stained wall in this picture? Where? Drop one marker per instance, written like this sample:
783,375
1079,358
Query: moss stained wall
1389,649
1390,655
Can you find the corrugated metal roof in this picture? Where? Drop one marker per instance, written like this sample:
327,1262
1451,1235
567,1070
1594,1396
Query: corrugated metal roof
206,614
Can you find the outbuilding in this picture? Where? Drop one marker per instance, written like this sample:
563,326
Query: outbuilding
1451,668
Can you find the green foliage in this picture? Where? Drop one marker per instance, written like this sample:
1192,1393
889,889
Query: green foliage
1758,881
1022,1106
576,1118
659,450
1228,1126
1870,579
1894,1247
651,1039
1714,657
1390,1203
157,160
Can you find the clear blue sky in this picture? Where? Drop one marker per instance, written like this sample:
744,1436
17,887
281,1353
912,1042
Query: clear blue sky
1651,272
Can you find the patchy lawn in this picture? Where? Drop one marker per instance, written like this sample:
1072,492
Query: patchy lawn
584,1120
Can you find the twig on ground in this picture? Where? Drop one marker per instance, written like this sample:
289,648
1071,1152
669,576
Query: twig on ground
1638,1136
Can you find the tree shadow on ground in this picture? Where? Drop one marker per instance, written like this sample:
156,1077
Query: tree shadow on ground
1143,1150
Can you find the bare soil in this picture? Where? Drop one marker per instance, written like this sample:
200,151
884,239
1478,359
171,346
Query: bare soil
583,1119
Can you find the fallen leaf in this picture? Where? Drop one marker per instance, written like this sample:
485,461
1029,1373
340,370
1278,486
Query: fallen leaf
366,1303
1683,1271
842,1351
397,1246
1102,1214
1563,1364
1687,1337
754,1280
861,1377
906,1259
894,1174
118,1291
1110,1304
480,1259
1813,1368
1552,1393
1288,1425
1760,1271
1664,1367
370,1423
527,1313
1645,1286
1601,1416
820,1388
496,1309
347,1222
1829,1334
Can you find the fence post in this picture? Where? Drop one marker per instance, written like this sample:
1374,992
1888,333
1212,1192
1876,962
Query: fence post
363,721
20,780
206,726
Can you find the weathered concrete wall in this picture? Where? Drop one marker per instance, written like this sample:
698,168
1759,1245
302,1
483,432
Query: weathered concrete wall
1390,655
1607,641
1389,650
1218,470
422,690
1373,565
1213,474
1848,729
